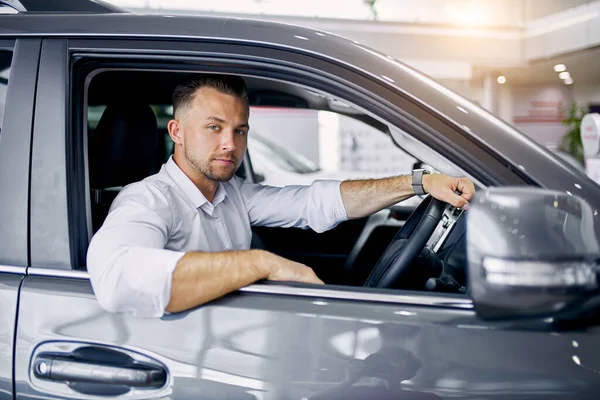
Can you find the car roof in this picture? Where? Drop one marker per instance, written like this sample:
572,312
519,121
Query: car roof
121,25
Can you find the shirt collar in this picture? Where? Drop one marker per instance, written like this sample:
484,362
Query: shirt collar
191,192
220,194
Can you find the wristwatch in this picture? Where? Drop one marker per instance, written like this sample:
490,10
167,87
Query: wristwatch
417,181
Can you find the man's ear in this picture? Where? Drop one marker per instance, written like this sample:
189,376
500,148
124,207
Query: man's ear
174,127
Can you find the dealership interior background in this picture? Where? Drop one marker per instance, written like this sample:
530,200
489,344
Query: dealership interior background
527,61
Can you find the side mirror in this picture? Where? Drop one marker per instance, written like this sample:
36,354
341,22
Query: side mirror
531,253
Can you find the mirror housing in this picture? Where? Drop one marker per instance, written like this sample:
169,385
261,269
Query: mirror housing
531,252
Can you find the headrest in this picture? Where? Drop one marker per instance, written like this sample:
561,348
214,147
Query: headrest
123,148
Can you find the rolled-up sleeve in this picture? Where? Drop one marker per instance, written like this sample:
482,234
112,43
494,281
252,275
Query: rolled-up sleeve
318,206
129,268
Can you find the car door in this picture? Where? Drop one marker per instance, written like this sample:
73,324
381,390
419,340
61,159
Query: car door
266,341
18,69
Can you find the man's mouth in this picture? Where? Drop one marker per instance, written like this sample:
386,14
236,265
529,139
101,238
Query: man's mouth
225,161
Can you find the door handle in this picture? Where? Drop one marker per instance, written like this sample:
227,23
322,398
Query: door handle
96,365
64,370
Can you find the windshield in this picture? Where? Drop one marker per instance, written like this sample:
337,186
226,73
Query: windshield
280,155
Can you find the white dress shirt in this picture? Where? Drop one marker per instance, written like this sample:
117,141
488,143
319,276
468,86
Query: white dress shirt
152,223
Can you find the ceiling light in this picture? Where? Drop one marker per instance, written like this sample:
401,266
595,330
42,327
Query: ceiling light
560,67
564,75
501,79
568,81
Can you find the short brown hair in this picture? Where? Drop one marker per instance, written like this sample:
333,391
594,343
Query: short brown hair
186,88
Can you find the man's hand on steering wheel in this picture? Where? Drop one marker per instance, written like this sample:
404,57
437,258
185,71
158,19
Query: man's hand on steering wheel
393,267
444,188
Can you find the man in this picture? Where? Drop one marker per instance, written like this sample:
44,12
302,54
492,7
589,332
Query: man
181,238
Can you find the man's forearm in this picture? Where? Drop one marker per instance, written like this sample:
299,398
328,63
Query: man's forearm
365,197
201,277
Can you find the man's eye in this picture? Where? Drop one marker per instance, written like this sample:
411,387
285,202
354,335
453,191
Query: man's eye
213,127
240,132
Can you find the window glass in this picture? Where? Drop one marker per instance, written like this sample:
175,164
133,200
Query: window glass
5,60
94,115
4,9
283,157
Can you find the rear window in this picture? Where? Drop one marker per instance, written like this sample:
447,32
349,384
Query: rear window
5,61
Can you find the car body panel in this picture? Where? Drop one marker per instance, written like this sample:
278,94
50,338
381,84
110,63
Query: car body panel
287,347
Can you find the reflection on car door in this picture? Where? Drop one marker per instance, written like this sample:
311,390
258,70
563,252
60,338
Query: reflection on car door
267,343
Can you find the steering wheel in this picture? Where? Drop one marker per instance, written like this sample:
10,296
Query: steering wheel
408,243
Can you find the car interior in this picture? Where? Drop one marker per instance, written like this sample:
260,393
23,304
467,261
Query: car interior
127,140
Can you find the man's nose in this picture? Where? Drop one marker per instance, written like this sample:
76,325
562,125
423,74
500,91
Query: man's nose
228,140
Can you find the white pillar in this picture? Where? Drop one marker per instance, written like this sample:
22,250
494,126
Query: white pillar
329,141
505,106
487,98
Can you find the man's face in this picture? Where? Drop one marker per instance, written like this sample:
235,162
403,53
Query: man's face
213,133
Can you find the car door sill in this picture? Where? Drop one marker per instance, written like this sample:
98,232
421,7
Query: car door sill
9,269
418,298
58,273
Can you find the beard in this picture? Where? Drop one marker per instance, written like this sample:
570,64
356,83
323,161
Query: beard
206,169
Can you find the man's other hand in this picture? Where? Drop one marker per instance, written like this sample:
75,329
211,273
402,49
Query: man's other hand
444,188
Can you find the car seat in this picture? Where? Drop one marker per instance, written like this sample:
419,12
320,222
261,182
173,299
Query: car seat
122,149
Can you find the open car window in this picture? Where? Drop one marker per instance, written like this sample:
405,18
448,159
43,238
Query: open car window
296,137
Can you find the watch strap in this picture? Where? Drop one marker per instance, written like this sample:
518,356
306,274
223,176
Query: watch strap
417,181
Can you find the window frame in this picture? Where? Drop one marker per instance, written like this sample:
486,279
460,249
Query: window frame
50,242
15,151
244,59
